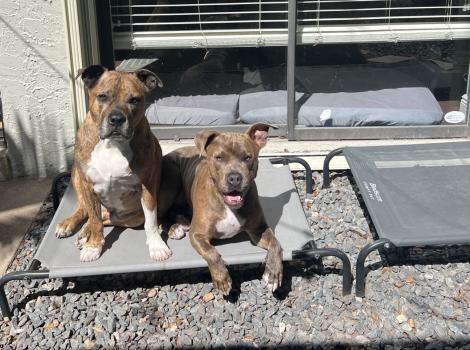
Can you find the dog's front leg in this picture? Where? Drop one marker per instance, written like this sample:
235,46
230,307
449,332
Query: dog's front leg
157,248
90,238
219,273
264,238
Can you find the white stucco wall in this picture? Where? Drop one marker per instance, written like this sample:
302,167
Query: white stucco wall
34,84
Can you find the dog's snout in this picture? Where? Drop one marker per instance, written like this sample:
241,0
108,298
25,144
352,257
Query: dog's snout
116,119
234,179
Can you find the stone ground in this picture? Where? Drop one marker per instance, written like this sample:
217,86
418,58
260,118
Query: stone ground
421,302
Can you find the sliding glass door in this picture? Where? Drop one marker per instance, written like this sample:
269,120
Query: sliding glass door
319,69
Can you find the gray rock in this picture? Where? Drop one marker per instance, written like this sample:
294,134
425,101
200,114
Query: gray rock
110,324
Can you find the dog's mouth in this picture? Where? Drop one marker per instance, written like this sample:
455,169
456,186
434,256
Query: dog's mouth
115,134
233,199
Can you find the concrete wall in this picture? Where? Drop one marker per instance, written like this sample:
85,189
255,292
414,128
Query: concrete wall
35,87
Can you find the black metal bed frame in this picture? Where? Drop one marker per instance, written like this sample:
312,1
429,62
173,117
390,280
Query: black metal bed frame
308,252
381,243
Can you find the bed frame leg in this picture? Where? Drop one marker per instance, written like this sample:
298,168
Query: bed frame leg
6,311
309,251
17,275
326,166
347,274
360,264
303,162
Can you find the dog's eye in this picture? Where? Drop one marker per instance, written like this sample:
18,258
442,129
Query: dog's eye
247,158
134,100
102,96
218,158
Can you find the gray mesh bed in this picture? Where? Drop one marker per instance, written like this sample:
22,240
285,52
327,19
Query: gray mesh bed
416,195
125,250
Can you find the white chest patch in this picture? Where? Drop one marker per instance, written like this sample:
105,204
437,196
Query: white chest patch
108,170
230,224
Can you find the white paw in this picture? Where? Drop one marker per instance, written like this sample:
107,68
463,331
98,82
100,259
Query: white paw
177,231
157,248
88,254
62,231
271,286
80,242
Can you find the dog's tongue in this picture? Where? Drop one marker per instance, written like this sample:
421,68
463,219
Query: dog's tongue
232,198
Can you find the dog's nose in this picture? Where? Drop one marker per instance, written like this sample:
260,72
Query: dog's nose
234,179
116,119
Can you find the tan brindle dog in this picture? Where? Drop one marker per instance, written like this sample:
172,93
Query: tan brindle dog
218,184
117,167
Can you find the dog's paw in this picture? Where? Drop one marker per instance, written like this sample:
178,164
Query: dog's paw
158,249
272,281
273,272
63,230
177,231
105,213
80,242
221,278
82,237
224,285
88,253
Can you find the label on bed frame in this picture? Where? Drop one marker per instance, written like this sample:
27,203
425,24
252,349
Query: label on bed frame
372,192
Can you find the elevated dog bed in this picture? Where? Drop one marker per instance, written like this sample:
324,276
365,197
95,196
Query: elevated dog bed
125,249
416,195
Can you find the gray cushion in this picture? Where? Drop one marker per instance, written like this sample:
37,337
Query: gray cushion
194,110
404,106
346,96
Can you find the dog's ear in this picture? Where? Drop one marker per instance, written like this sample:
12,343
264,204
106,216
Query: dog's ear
259,133
90,75
149,79
203,139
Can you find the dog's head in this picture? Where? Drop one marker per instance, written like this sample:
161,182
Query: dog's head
232,159
116,99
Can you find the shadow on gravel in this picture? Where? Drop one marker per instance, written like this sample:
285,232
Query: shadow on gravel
443,344
128,282
338,174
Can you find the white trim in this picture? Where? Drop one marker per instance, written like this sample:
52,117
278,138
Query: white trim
75,57
307,35
194,39
384,33
83,49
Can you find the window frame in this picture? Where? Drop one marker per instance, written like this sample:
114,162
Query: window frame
294,132
301,133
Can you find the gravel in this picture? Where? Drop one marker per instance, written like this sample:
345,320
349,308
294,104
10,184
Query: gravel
422,301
